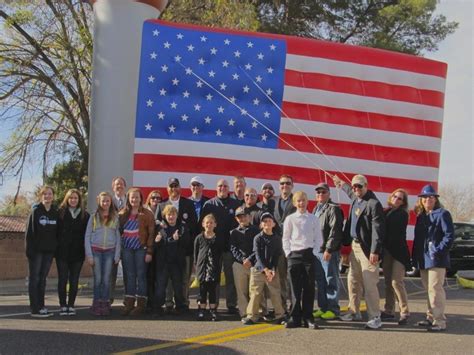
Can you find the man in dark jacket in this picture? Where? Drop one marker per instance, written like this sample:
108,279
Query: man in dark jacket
331,220
365,227
187,217
223,207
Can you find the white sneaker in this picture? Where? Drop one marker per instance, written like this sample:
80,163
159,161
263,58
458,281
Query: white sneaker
71,311
43,313
374,323
63,311
351,317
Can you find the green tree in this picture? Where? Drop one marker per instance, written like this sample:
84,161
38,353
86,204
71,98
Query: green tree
67,176
45,68
409,26
19,206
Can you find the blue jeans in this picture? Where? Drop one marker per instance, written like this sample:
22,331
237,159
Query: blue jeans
39,264
134,267
103,262
327,280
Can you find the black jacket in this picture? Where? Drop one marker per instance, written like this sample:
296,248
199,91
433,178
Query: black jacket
71,236
395,242
370,226
255,212
168,250
42,230
241,243
224,212
267,250
186,216
201,259
270,207
331,221
280,216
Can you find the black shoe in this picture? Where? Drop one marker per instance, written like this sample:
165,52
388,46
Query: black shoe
403,320
436,328
232,310
200,315
213,315
386,316
292,324
425,323
248,321
310,324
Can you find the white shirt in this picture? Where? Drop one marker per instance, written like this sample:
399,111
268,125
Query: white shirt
175,203
301,231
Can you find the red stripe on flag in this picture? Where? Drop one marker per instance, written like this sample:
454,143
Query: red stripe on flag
362,119
364,88
360,151
185,164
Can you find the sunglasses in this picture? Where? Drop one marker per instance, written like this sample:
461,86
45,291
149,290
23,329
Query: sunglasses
250,195
222,185
321,192
428,197
155,198
173,186
195,184
357,186
268,188
288,183
398,198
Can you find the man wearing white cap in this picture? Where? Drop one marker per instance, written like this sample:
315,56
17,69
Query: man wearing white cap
365,228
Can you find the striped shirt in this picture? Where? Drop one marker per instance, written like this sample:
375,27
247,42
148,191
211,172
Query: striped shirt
130,237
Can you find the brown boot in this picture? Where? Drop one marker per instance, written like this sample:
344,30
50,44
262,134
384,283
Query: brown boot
129,304
140,308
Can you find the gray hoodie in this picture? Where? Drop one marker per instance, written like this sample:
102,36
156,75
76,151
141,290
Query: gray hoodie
102,237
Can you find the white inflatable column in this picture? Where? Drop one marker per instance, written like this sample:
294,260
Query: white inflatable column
117,42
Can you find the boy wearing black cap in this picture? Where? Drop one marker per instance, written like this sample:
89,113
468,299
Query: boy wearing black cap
267,249
241,247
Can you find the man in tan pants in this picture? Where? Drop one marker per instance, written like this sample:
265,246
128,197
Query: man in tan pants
365,227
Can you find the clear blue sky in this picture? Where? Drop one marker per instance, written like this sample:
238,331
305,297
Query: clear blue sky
457,153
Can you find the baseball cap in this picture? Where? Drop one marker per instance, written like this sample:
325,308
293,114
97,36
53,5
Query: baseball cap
240,211
359,179
197,179
322,186
428,190
172,181
267,215
267,185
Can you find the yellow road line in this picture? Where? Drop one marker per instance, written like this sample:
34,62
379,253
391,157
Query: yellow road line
237,336
242,331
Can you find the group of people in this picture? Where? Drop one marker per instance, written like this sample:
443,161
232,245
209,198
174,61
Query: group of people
268,249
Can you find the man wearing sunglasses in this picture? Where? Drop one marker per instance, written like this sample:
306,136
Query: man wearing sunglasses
283,208
331,220
250,205
186,216
365,228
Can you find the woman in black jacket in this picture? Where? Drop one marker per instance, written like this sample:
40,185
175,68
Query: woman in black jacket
41,243
396,256
70,254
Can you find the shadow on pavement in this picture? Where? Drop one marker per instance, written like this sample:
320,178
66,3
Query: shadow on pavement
46,342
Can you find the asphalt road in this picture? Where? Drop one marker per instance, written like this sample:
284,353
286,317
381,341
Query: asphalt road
86,334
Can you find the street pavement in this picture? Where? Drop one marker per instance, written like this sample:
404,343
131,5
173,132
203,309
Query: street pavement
86,334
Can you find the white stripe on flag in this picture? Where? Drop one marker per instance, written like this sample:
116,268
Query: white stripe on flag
364,72
361,103
360,135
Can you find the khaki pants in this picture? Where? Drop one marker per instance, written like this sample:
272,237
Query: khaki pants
257,285
242,282
394,273
433,280
363,278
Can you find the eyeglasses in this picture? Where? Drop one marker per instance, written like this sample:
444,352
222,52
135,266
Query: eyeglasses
288,183
173,186
321,192
357,186
155,198
397,197
222,185
250,195
195,184
428,197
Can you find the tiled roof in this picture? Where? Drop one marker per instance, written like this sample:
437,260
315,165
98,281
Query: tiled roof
13,224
